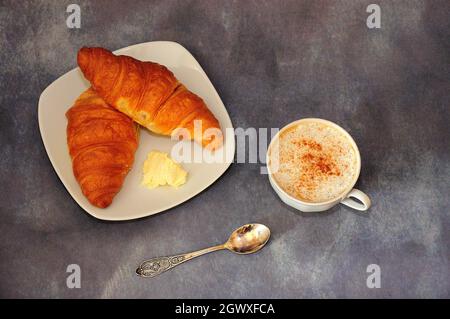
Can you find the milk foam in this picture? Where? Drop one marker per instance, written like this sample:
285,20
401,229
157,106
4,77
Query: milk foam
317,162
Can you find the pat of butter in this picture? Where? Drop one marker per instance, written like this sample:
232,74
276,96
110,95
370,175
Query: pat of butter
159,169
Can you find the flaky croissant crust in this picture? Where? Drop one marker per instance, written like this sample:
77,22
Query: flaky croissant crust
102,143
150,94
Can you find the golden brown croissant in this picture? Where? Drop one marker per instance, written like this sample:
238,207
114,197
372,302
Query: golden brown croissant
102,143
150,94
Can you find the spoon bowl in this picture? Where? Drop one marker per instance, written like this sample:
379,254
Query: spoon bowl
248,239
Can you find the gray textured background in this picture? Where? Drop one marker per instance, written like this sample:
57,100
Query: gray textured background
272,62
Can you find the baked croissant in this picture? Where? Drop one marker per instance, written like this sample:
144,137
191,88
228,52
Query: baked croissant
150,94
102,143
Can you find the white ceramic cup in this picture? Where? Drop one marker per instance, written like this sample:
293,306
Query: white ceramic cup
346,198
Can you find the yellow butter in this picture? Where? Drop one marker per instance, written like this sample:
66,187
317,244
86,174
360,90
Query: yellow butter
159,169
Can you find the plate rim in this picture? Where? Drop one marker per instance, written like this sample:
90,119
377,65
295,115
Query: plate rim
167,207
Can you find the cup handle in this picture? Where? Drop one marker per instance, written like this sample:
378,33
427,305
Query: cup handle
359,195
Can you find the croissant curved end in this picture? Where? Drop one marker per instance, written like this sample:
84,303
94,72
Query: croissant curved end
83,58
103,201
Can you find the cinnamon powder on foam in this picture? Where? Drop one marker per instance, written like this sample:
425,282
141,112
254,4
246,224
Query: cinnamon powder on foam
316,162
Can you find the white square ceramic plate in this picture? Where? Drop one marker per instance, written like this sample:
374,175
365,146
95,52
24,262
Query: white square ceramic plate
134,200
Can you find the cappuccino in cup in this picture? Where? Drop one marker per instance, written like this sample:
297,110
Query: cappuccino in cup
315,162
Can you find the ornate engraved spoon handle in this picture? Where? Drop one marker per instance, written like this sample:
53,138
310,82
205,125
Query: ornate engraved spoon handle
158,265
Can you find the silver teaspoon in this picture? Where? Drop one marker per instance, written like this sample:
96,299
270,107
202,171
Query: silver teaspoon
246,239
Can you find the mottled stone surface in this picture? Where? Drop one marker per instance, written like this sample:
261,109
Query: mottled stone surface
272,62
